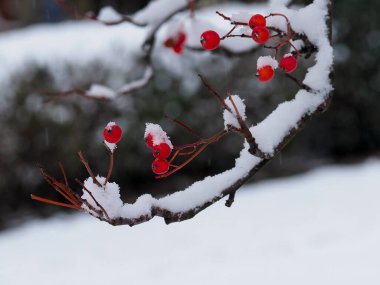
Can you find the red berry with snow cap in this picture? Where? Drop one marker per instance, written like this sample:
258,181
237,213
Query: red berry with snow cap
260,34
160,166
112,133
161,151
257,20
210,40
288,63
265,73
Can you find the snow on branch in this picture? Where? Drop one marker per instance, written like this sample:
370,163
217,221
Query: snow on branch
101,198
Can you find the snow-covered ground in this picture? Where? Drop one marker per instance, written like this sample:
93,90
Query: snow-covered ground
319,228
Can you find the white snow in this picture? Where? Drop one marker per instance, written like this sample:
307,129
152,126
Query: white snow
267,60
298,44
138,83
230,119
322,227
107,195
108,14
110,146
159,135
157,10
101,91
241,16
270,132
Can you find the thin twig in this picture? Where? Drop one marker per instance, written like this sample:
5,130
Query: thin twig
63,173
93,198
34,197
300,84
88,168
213,92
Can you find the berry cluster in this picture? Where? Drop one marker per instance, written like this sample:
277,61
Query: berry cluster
158,141
267,64
176,42
261,34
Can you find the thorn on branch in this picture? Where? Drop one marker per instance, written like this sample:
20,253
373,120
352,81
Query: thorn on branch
230,200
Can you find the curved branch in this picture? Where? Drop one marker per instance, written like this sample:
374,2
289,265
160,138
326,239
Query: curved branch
270,136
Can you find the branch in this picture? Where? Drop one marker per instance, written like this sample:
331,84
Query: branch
286,120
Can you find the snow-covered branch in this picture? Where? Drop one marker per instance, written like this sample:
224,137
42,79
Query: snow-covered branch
101,198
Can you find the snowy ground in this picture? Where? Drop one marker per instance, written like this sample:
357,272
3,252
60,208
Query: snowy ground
319,228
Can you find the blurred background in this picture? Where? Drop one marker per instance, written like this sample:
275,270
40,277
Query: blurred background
38,130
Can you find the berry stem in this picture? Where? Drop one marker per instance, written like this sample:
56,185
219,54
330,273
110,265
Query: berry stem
191,4
229,33
204,143
110,166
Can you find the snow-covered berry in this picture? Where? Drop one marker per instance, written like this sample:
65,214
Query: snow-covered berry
288,63
257,20
112,133
260,34
265,73
161,151
160,166
210,40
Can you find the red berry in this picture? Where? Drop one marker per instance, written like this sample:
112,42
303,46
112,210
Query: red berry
161,151
160,166
112,133
210,40
257,21
265,73
288,63
260,34
149,140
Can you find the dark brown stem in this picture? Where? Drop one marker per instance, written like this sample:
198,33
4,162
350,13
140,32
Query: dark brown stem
88,168
229,33
63,173
300,84
244,130
213,92
230,200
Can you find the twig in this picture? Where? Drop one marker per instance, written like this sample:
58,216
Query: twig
300,84
216,94
34,197
254,147
88,168
110,166
92,196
